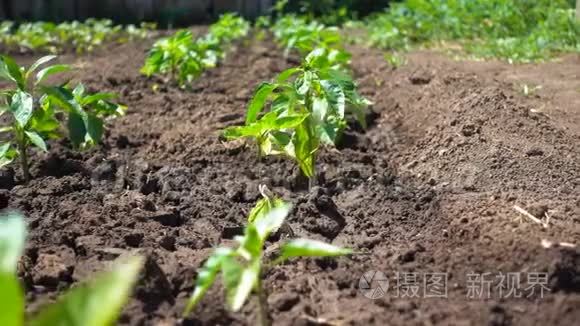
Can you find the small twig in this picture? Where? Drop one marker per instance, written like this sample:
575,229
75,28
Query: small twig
530,216
548,218
320,321
549,244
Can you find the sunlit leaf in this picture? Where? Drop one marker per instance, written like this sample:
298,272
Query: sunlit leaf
12,240
272,220
39,63
95,128
22,106
11,300
96,303
36,140
247,282
206,277
311,248
76,129
10,70
258,101
49,71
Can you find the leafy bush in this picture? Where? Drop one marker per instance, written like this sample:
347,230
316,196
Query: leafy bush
243,267
35,109
96,303
520,31
308,106
333,12
229,27
179,57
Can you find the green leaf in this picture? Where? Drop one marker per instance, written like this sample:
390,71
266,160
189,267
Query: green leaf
48,71
10,70
76,129
253,130
319,109
314,55
290,121
281,139
79,91
65,99
6,129
97,303
231,272
7,154
335,97
11,300
305,145
247,282
272,221
305,83
95,128
4,72
39,63
311,248
4,149
329,132
251,246
206,277
286,74
22,106
12,240
264,206
258,101
36,140
98,97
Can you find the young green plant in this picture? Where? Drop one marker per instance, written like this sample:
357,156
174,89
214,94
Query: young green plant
305,107
296,33
68,36
185,58
175,56
95,303
34,107
243,268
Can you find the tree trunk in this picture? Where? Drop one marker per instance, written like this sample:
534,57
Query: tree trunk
578,9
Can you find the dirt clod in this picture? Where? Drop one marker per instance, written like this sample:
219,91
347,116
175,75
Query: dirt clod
283,301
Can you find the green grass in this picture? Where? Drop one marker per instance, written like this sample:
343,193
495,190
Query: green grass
515,30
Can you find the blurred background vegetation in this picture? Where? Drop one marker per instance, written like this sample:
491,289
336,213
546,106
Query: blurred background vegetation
517,30
179,12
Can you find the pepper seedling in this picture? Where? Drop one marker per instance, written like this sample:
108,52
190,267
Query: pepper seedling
95,303
35,108
229,27
175,56
295,33
184,58
308,106
242,268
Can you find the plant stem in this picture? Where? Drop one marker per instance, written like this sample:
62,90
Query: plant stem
22,148
311,139
311,183
263,308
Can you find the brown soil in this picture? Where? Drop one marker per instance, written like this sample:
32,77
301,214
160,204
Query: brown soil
430,187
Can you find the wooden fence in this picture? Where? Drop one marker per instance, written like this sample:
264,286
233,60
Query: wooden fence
164,11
